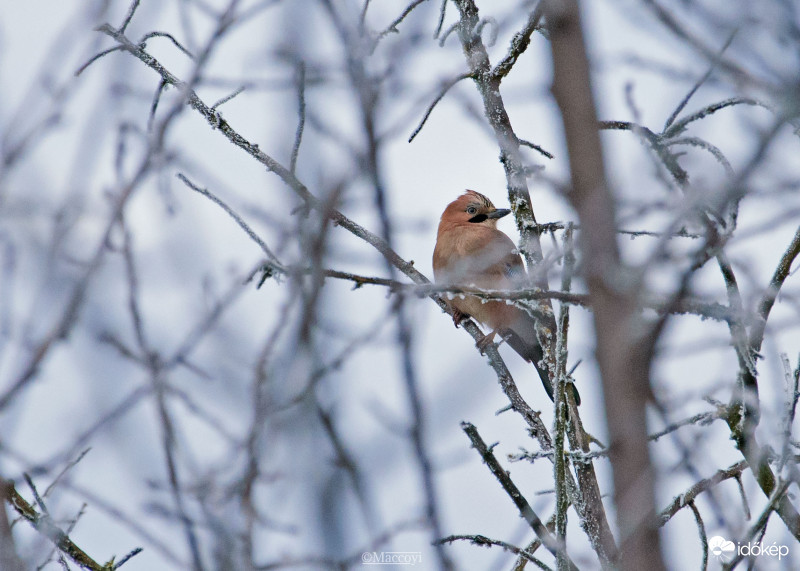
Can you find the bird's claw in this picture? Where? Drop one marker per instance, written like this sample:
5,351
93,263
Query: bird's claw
458,317
487,340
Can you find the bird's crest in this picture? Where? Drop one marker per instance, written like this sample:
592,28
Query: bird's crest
474,195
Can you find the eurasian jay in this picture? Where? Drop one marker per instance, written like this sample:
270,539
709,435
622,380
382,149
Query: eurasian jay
470,250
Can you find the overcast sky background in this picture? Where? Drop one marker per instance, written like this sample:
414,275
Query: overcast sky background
190,253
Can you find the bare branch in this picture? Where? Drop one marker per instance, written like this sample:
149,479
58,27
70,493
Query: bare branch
233,214
696,86
551,543
392,28
536,148
519,43
129,16
94,58
680,126
688,497
45,525
301,112
771,294
702,531
761,522
624,366
481,540
170,37
436,100
228,97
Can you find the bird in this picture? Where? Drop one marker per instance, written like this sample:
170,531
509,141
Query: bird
471,251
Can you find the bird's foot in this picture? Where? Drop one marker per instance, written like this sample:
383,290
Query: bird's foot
458,317
486,341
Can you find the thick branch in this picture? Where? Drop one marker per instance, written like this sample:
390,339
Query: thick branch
624,366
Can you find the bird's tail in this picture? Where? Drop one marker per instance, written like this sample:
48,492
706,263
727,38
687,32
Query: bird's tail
527,345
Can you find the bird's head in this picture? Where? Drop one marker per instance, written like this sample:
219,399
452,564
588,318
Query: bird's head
472,208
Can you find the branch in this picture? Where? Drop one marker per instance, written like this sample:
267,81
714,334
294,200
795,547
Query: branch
771,294
701,528
683,500
561,402
218,123
526,511
698,83
238,219
392,28
624,365
776,498
43,523
482,540
519,43
739,74
438,98
301,114
740,420
494,108
680,126
129,15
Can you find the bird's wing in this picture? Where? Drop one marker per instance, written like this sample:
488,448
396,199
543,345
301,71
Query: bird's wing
495,259
475,255
514,269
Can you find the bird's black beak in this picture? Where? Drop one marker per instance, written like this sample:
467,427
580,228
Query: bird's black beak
499,213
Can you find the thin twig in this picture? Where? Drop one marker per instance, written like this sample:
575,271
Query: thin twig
301,112
64,471
94,58
700,82
701,528
227,98
392,28
684,499
481,541
233,214
36,496
681,125
758,526
362,19
151,118
127,557
442,12
129,16
705,145
771,294
171,38
702,418
436,100
536,148
519,43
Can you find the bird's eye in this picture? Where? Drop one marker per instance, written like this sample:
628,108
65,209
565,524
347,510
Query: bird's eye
471,210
